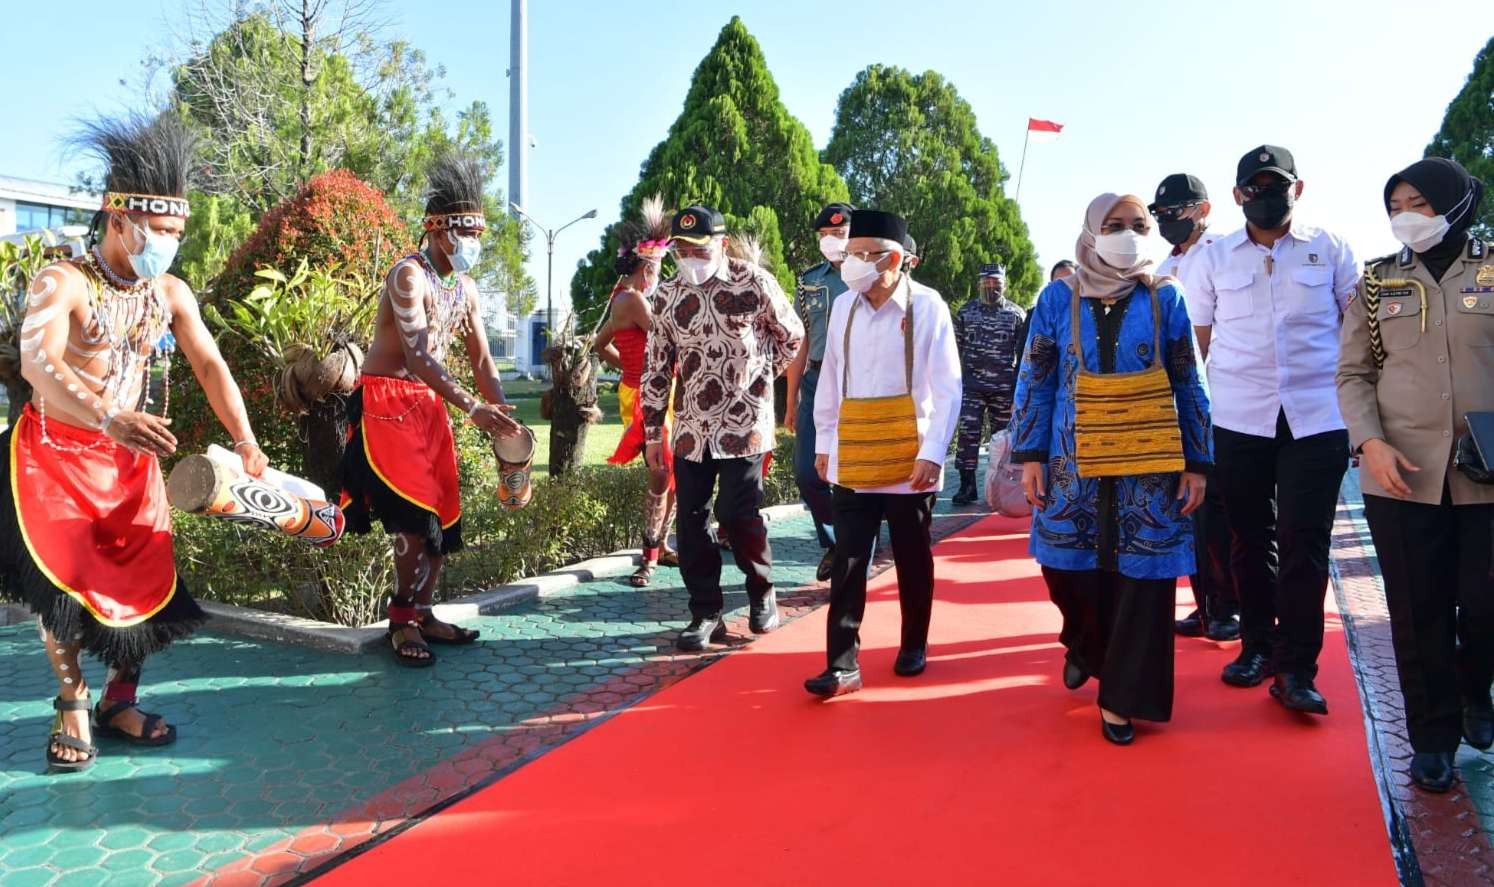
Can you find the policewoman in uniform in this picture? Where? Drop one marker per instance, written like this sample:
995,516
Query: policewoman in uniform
817,289
989,333
1417,356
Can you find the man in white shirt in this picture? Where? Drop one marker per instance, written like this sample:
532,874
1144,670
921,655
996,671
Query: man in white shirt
1267,302
1181,209
890,361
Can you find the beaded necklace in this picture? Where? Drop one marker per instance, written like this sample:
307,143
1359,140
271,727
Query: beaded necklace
129,318
449,316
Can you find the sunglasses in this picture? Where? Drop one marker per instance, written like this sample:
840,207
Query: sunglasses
1251,192
1174,212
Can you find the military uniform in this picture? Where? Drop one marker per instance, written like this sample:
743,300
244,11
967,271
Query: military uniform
1436,341
989,339
816,292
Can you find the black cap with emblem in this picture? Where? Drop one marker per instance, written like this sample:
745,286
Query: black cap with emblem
1177,189
834,215
1266,158
993,269
697,224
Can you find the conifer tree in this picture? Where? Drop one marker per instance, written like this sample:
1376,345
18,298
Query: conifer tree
1467,133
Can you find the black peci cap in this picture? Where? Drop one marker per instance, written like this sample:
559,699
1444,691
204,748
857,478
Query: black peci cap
1266,158
1177,189
697,224
875,223
834,215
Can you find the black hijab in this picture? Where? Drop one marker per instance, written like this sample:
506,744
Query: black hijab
1453,193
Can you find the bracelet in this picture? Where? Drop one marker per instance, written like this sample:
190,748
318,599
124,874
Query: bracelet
475,407
108,417
251,442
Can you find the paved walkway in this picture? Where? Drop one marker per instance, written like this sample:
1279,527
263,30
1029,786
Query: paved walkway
289,758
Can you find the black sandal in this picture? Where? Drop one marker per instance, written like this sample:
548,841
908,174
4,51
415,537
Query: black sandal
643,575
407,652
669,559
102,718
460,637
62,765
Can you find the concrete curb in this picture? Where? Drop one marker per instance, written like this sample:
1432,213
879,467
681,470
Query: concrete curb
333,638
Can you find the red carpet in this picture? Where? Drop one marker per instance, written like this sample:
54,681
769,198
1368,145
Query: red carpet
983,771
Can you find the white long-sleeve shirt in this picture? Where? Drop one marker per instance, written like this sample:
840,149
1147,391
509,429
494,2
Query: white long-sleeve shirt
877,369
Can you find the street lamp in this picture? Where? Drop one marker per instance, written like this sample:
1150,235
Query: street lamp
550,236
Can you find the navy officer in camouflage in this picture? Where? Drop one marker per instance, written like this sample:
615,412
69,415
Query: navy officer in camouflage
988,331
817,290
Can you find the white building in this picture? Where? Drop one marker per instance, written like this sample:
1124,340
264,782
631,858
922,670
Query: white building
28,206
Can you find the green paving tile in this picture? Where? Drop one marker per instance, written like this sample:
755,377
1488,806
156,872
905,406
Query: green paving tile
28,856
128,860
178,861
77,858
31,877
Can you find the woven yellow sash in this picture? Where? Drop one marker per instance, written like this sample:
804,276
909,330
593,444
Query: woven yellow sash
1125,423
877,436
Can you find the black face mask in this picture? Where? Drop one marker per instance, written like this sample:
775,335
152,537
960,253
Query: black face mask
1269,210
1177,231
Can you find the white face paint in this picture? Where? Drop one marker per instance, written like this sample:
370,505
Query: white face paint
408,302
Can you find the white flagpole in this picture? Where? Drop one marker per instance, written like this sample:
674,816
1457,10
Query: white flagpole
1022,167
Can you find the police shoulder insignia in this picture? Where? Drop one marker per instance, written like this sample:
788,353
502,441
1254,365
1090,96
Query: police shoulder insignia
1476,248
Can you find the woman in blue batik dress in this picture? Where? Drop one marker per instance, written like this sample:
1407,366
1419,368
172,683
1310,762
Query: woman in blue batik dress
1113,535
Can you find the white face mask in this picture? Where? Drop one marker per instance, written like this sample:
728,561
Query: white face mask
696,271
465,253
1417,231
833,248
1121,250
859,275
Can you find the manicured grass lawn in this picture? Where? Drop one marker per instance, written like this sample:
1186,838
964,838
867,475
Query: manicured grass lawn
601,438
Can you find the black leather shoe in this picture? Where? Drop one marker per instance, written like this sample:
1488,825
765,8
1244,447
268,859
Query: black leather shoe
833,682
910,663
1478,726
1190,626
822,572
1298,694
1248,670
1073,676
967,493
764,615
1120,734
701,630
1227,629
1433,770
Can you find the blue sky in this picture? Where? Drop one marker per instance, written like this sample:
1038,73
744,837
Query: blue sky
1354,89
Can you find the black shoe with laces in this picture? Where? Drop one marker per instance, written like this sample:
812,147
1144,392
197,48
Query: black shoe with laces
701,631
1248,670
1190,626
1433,771
834,682
967,493
1226,629
764,613
1297,693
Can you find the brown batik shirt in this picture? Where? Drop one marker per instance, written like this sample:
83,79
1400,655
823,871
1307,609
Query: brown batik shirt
727,339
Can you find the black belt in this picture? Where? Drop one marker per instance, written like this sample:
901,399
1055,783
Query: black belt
815,365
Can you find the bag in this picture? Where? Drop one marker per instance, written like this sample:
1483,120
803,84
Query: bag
1004,480
1475,448
1125,423
877,436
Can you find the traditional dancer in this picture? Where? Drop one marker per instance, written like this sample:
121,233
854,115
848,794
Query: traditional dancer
85,530
622,342
400,464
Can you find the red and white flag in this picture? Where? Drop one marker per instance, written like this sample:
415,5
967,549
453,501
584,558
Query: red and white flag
1043,130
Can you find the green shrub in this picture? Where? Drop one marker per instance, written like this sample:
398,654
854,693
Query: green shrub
593,512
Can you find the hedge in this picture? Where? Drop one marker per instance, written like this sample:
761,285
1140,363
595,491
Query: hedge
593,512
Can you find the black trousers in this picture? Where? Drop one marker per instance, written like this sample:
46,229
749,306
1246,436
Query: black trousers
858,521
1282,490
1212,581
1435,561
736,507
1119,630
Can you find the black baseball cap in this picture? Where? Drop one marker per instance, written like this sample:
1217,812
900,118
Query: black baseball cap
834,215
1177,189
697,225
1266,158
993,269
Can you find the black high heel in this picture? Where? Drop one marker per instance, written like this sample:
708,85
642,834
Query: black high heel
1119,734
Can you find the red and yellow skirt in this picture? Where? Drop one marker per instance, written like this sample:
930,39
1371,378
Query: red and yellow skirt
400,464
630,410
85,540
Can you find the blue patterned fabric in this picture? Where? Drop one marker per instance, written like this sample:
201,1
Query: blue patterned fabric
1153,539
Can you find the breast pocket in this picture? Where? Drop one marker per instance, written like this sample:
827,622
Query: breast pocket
812,303
1234,296
1312,292
1400,321
1476,319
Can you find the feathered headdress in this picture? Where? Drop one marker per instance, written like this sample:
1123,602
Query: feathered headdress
455,196
645,239
747,248
147,162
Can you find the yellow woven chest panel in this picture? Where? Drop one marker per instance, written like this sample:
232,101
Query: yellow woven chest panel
878,441
1126,424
